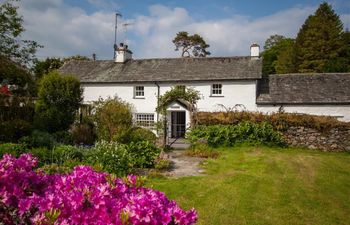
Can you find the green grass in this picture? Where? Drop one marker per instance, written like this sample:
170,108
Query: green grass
260,185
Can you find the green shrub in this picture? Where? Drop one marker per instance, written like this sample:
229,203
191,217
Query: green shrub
55,169
143,154
113,118
245,132
59,98
39,139
136,134
43,154
63,137
162,164
111,157
13,149
13,130
65,153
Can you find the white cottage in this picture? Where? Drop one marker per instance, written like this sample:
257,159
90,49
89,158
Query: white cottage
222,81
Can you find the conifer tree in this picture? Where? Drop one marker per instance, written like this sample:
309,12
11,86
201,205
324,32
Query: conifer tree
319,40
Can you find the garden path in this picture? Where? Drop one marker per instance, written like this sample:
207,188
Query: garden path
183,165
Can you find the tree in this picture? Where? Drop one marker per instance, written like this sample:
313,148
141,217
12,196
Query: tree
11,28
319,40
113,119
278,55
191,45
59,98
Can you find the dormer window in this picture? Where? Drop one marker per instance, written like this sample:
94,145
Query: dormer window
139,92
216,90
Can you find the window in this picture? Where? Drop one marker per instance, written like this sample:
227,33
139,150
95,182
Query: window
139,91
216,89
145,119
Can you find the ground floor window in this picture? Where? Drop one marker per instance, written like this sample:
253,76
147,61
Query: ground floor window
145,119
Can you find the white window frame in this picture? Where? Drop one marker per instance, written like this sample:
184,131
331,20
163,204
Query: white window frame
139,93
217,87
145,119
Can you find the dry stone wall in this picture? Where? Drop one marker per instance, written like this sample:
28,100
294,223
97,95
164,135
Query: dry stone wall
336,139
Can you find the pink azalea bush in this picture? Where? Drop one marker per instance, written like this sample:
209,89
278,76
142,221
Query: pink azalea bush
81,197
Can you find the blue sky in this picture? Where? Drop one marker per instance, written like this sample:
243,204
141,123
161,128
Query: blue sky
69,27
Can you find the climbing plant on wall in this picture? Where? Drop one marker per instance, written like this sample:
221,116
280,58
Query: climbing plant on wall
187,94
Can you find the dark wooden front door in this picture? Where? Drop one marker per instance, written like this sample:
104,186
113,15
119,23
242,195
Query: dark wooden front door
178,124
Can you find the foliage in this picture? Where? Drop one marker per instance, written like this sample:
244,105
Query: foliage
319,40
81,197
12,148
280,121
46,66
63,137
17,77
111,156
191,45
143,154
39,139
244,132
162,164
113,118
137,134
13,130
59,98
278,55
11,29
203,151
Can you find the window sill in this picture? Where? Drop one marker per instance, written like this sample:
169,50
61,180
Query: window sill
216,96
139,97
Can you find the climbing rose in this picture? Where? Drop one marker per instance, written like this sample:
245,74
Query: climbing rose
81,197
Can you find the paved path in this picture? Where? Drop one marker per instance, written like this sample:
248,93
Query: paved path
182,165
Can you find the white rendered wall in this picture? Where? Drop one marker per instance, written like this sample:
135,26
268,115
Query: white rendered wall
342,112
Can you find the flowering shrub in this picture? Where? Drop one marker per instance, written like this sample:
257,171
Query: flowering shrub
81,197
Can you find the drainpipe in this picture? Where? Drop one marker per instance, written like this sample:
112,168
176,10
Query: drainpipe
158,93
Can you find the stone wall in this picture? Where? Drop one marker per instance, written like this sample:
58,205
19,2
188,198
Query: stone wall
334,140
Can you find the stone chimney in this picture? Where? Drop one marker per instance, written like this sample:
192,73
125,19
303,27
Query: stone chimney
255,51
123,54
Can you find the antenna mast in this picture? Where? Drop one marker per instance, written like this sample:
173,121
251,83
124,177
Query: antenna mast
125,25
115,33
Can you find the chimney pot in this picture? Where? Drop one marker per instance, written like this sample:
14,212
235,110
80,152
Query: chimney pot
255,51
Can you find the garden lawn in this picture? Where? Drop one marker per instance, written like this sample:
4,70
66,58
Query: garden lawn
260,185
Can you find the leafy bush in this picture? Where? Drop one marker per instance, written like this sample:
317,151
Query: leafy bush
12,130
280,121
39,139
63,137
142,154
245,132
81,197
113,118
64,153
111,156
43,155
13,149
55,169
136,134
59,98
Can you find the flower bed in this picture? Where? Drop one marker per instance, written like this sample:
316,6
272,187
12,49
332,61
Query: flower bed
81,197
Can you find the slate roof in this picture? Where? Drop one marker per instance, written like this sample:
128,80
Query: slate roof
164,70
326,88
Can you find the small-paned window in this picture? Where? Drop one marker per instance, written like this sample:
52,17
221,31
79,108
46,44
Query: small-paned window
139,91
216,89
145,119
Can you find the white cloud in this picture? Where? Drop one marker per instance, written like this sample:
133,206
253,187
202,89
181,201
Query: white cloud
66,30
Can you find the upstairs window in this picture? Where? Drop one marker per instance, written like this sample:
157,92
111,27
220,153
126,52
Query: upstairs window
145,119
216,89
139,92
